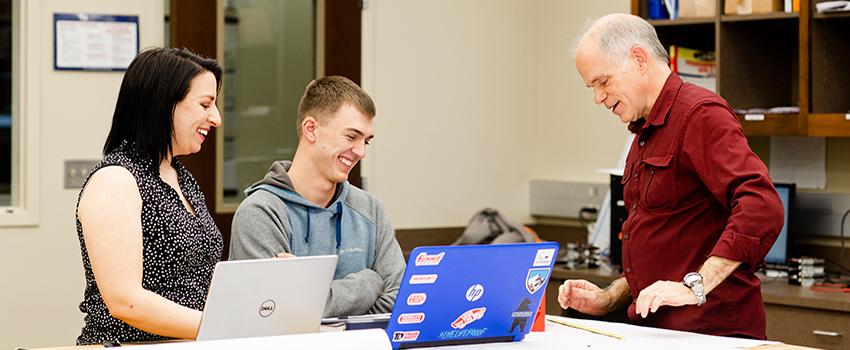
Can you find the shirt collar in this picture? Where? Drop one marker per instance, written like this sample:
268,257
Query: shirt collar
658,113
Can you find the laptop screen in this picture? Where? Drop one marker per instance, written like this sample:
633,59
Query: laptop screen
470,294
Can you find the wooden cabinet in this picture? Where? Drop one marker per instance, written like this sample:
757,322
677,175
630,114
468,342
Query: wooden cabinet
774,60
809,327
800,316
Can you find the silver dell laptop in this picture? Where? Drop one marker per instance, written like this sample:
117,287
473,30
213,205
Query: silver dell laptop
265,297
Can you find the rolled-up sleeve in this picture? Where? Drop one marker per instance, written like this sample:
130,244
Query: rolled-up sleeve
718,152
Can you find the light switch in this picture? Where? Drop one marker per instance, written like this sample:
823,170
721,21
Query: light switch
77,171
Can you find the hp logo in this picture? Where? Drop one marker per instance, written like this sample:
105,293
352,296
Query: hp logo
475,292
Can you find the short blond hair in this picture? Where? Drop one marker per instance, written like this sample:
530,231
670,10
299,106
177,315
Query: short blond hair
326,95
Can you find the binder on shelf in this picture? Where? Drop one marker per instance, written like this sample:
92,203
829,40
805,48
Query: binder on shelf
694,66
672,8
664,9
658,10
792,6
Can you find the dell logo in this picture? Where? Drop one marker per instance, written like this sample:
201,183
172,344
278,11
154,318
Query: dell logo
267,308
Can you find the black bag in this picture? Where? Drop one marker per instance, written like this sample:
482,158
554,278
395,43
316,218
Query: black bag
488,226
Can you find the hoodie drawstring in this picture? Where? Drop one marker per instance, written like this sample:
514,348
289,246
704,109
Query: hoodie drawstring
307,236
338,225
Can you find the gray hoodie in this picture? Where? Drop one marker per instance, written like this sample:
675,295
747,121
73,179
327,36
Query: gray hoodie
274,219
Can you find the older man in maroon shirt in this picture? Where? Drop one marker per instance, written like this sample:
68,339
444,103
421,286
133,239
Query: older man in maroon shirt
703,212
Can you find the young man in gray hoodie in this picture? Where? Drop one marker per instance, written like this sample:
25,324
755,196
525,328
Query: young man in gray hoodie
307,207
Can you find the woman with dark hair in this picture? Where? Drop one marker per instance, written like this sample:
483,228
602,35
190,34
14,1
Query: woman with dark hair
148,243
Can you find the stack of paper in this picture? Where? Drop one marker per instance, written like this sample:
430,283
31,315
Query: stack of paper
833,6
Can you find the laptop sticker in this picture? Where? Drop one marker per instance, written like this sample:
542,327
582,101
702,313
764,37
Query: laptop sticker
544,257
462,333
416,299
411,318
405,336
423,279
468,317
535,278
475,292
521,316
425,259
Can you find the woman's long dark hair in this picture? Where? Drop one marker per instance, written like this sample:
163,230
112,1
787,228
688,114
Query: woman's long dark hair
154,83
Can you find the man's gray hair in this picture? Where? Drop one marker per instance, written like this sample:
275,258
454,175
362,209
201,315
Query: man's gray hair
618,33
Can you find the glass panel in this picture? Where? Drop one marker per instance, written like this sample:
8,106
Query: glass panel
269,57
6,165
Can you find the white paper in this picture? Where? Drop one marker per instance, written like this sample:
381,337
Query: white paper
799,160
95,44
830,6
369,339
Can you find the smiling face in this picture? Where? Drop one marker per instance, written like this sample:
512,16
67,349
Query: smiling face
195,115
618,86
339,142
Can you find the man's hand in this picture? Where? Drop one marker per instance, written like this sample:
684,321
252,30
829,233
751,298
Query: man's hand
284,255
663,293
585,297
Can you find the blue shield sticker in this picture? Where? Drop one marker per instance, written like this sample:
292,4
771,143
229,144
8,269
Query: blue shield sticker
535,279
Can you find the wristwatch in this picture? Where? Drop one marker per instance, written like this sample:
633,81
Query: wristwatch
693,281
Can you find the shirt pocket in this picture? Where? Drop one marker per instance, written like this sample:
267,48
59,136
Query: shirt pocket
660,182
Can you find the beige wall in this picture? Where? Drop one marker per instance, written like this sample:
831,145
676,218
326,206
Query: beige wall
575,137
42,275
474,99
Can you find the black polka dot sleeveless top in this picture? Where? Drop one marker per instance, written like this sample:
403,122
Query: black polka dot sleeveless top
180,250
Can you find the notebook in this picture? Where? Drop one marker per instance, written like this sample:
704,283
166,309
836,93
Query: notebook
264,297
470,294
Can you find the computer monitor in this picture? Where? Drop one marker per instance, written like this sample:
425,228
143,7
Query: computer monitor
780,253
619,214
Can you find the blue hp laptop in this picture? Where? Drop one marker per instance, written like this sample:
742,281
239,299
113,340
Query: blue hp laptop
470,294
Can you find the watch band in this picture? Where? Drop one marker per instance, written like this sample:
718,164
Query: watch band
699,292
693,281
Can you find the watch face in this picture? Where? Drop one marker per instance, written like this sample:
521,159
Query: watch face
692,278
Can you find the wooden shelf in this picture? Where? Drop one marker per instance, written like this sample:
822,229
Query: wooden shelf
760,17
682,21
829,125
827,15
774,59
830,78
747,78
772,125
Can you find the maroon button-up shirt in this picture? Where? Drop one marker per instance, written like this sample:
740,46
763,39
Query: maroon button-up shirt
694,189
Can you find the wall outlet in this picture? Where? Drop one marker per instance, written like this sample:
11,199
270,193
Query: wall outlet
77,171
